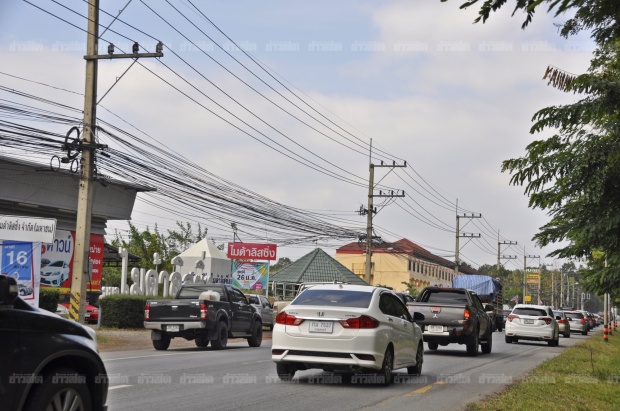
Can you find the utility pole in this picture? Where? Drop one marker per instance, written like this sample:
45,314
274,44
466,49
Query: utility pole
88,146
499,251
457,247
370,211
525,257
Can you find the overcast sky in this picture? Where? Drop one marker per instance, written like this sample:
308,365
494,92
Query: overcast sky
452,98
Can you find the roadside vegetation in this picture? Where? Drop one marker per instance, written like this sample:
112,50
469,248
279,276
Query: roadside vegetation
583,377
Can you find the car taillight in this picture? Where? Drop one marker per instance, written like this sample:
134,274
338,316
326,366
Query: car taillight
147,309
466,314
547,320
583,320
561,321
204,312
512,317
288,319
363,321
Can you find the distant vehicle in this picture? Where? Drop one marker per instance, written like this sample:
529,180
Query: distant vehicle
55,273
264,308
563,324
24,290
454,315
47,362
489,290
406,298
532,322
347,328
91,313
62,311
577,322
205,313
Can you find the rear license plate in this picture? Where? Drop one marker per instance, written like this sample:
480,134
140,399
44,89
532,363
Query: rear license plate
435,328
528,321
321,327
172,328
87,315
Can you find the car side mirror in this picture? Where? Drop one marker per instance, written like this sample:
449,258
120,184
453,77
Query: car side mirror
8,290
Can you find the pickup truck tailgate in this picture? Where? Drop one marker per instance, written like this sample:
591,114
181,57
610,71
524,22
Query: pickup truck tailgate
174,310
445,314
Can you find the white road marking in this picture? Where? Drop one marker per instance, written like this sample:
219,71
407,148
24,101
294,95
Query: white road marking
118,386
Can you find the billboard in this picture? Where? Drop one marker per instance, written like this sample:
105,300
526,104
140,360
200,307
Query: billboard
251,251
57,262
21,260
250,276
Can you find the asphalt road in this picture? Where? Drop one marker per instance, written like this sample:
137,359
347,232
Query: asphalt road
244,378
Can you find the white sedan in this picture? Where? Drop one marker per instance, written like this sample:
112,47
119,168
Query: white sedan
532,322
347,328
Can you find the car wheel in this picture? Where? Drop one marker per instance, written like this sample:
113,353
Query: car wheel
270,327
257,335
419,360
488,344
508,339
201,342
386,376
500,327
163,343
567,335
433,346
285,371
472,345
62,389
584,332
219,343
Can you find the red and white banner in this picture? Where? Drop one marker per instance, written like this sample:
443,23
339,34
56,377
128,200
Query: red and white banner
251,251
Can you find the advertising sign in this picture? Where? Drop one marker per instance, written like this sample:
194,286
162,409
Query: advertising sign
29,229
250,276
251,251
532,279
57,262
21,260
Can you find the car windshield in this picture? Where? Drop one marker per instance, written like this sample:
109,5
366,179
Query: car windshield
56,264
534,312
334,298
574,315
253,300
556,313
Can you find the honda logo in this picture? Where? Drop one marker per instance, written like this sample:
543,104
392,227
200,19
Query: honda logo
320,314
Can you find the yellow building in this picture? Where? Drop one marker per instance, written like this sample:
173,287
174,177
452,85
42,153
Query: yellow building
397,264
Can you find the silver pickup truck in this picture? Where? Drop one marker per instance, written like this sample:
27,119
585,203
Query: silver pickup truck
263,307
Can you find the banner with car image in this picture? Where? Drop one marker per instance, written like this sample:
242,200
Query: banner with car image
57,262
20,261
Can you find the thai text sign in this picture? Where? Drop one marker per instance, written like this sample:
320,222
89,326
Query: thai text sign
250,276
251,251
532,279
29,229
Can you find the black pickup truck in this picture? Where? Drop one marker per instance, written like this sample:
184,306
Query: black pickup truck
203,313
454,315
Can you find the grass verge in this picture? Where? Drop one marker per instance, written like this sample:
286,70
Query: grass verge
583,377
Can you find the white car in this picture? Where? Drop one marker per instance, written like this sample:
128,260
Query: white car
55,273
347,328
532,322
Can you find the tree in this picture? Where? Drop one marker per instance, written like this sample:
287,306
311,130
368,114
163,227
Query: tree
145,244
179,241
574,175
282,262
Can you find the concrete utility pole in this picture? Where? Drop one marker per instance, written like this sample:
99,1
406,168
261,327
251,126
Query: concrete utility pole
525,257
499,251
88,146
457,247
371,211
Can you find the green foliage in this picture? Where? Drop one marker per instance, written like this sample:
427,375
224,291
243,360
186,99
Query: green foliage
282,262
49,299
122,311
411,289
